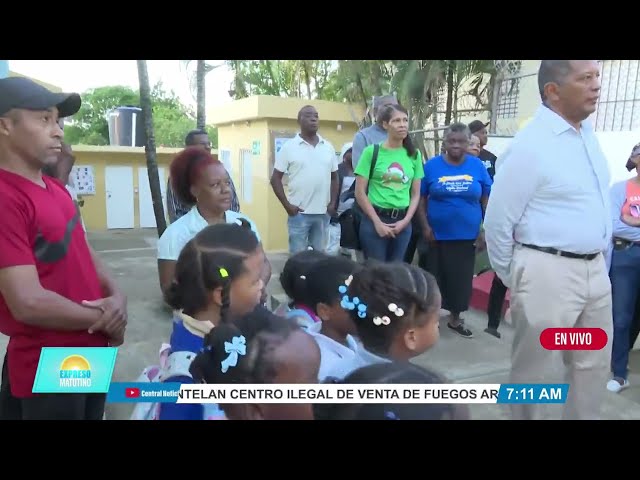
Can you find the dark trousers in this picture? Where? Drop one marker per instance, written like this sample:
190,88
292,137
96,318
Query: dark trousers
635,325
452,263
381,249
421,246
625,285
496,302
49,406
412,247
415,243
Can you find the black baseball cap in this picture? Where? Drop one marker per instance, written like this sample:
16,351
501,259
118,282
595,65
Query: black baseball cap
477,125
25,94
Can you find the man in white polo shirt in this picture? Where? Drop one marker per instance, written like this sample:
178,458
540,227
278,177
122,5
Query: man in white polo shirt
312,166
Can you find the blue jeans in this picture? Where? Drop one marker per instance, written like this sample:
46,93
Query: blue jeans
383,249
625,284
308,230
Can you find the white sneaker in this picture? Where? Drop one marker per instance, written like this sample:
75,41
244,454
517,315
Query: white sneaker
615,386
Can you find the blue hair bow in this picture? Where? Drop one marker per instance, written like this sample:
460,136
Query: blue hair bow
236,347
351,303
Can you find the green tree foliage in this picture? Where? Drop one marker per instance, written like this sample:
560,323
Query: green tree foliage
171,119
421,85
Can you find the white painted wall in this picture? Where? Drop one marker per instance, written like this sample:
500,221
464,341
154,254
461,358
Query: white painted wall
616,146
497,145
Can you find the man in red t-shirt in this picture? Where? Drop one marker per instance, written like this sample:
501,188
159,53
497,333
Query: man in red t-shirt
54,292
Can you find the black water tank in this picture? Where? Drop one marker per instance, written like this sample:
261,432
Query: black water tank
126,128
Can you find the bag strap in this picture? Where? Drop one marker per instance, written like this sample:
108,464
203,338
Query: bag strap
374,159
340,183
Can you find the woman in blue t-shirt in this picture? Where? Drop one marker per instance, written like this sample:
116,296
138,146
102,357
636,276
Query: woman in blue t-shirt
454,194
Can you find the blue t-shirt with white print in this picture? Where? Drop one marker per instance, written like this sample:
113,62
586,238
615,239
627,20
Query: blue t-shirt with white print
454,211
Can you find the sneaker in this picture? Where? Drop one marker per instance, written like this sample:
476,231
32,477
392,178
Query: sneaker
614,385
461,330
493,331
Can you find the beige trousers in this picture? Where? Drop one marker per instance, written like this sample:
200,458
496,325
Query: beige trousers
549,291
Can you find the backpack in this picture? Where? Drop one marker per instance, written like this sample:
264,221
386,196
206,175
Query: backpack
171,364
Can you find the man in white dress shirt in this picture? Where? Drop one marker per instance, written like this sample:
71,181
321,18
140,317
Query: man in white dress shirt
547,225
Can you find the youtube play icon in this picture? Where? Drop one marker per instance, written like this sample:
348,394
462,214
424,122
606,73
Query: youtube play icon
132,392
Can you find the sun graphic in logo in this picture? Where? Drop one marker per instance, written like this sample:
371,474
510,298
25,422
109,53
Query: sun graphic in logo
75,362
75,371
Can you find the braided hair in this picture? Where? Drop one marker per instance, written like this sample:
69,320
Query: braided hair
293,275
392,373
258,334
385,298
210,260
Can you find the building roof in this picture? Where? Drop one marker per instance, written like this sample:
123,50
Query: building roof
265,106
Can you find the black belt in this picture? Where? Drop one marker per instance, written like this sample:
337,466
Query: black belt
390,212
622,243
561,253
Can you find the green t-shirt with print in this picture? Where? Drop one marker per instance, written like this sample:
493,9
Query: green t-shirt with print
395,171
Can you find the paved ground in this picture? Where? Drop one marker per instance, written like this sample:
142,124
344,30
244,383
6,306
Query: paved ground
482,359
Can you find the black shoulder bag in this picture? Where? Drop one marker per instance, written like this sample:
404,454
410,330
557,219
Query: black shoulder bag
350,219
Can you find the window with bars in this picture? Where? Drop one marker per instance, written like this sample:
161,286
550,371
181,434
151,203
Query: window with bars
509,97
618,108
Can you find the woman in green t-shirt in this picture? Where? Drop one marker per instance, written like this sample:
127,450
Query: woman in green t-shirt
389,193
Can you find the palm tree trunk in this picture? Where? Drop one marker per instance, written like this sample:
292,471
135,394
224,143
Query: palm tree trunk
495,100
201,116
450,71
376,74
436,135
150,147
307,77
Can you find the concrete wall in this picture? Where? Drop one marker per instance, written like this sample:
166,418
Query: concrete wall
616,146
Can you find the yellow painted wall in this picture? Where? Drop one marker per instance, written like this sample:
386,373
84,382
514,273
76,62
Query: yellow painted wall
94,210
265,209
237,136
266,106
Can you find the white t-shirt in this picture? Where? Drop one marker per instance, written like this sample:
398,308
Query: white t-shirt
309,169
336,360
178,234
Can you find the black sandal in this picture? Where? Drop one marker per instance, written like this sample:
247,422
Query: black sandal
461,330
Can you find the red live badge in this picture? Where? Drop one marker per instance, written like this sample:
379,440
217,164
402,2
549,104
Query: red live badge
573,339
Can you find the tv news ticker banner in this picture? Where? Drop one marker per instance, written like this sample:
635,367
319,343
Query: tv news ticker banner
336,393
90,370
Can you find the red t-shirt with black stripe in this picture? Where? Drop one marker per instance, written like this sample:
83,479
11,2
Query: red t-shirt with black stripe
41,227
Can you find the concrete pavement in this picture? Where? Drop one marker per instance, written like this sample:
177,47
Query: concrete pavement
482,359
